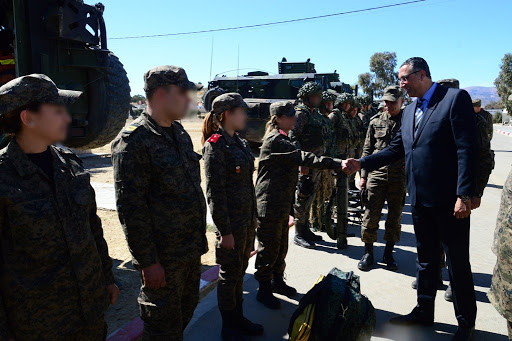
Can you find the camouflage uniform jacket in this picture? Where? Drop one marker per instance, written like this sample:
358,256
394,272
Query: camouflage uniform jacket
500,293
486,157
278,173
330,137
489,122
310,130
229,167
346,137
381,131
359,130
54,262
160,202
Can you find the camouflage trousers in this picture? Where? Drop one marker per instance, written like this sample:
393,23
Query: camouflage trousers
320,206
352,153
233,264
305,195
93,332
379,191
167,311
509,328
272,236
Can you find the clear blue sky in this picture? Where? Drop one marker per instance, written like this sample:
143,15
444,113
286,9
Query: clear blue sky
463,39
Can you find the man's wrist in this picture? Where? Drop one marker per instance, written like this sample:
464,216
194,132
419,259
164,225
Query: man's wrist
464,198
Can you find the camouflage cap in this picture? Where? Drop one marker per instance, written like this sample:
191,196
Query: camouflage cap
392,93
365,100
449,83
33,88
282,108
167,75
227,101
477,102
309,88
329,96
344,98
355,104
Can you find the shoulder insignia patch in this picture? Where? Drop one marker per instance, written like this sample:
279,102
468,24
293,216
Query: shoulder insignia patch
214,138
131,128
282,132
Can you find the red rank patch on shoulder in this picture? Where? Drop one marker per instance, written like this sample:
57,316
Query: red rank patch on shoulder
281,131
214,138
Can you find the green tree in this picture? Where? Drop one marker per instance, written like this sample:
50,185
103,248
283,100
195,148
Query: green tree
504,81
382,73
495,105
497,117
137,98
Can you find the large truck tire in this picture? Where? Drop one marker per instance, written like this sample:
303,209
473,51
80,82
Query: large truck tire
109,105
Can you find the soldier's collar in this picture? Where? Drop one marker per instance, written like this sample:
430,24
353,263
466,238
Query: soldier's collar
152,125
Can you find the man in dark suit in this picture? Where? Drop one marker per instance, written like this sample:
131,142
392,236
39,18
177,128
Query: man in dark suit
438,138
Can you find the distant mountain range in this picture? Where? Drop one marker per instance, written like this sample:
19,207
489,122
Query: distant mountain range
486,93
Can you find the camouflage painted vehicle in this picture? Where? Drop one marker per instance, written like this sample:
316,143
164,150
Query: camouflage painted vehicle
259,90
67,40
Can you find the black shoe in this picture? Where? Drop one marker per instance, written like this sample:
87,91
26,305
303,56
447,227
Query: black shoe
266,296
244,325
414,284
298,240
230,332
464,334
279,286
366,262
416,317
309,235
390,263
448,295
341,243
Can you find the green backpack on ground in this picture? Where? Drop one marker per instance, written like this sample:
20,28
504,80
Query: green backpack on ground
341,312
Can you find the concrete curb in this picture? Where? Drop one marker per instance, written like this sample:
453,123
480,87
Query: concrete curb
133,329
502,132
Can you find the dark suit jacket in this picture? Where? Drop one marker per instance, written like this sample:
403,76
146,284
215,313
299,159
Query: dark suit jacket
440,161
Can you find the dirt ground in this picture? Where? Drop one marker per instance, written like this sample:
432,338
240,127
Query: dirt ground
127,277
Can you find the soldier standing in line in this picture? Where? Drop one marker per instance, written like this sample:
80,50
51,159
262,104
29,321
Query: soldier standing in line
356,148
161,205
477,105
319,215
367,112
275,185
384,184
56,276
229,167
309,134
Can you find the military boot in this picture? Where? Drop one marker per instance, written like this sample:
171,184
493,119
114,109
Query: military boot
448,294
279,286
388,257
266,296
341,242
311,236
366,262
230,331
300,237
246,326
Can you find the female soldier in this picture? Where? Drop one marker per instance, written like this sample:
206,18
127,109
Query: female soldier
229,166
275,188
55,273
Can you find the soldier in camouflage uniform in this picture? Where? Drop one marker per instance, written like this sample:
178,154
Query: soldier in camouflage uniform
384,184
310,134
500,293
277,179
161,205
367,112
229,167
56,276
319,216
477,105
358,133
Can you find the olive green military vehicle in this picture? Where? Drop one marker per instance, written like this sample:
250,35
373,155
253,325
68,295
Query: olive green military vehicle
67,40
260,89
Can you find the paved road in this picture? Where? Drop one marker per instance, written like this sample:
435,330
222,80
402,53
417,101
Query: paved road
390,292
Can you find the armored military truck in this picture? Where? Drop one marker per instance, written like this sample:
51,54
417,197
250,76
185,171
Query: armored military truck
67,40
260,89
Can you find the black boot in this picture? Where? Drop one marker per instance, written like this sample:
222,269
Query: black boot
245,326
388,257
230,332
280,287
341,242
301,237
266,296
366,262
448,295
310,236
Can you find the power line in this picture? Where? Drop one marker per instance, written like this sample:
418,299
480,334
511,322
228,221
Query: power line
272,23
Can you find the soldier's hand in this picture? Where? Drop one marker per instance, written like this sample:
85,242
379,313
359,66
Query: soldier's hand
351,166
475,202
227,242
304,170
362,184
154,276
113,292
462,209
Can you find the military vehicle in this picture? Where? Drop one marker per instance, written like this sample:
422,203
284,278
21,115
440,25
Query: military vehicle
67,40
259,90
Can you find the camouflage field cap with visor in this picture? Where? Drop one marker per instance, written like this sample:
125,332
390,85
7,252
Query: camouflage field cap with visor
167,75
392,93
227,101
282,108
477,102
449,83
24,90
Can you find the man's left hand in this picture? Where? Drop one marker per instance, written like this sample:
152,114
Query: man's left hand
113,292
462,209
